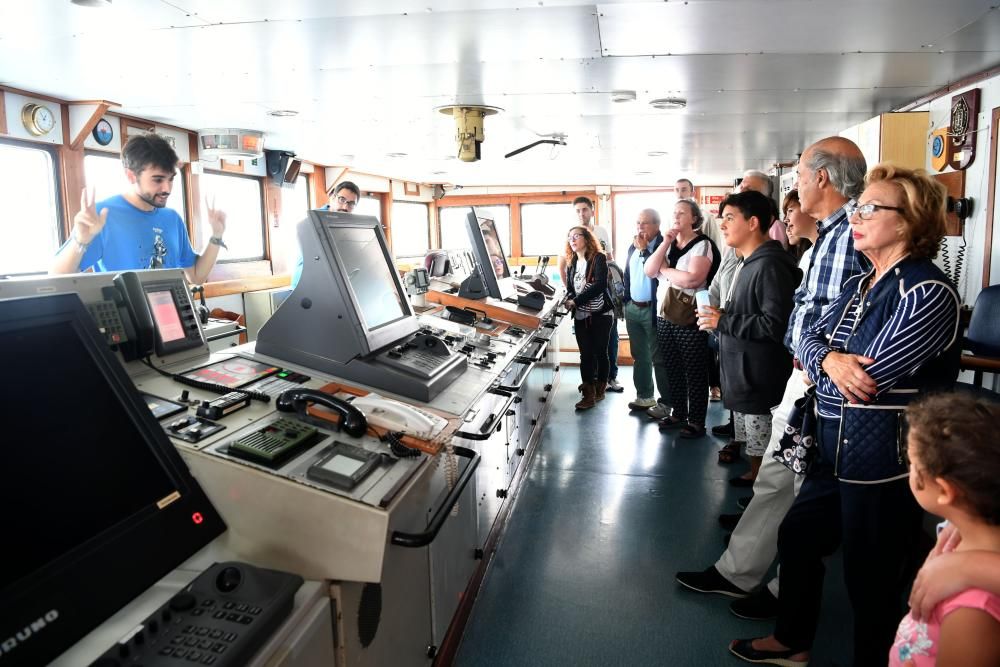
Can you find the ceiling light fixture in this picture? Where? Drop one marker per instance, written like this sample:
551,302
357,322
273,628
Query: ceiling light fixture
395,154
656,153
669,103
92,3
283,113
622,96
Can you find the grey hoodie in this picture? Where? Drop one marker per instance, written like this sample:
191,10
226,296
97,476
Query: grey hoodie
755,364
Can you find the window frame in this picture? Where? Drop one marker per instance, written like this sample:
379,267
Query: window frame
514,201
665,216
427,233
264,236
63,225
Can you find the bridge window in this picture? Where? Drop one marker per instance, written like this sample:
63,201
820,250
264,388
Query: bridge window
241,197
544,227
29,219
410,229
369,205
626,210
453,231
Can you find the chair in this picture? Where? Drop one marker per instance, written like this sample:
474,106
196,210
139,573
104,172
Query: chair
982,341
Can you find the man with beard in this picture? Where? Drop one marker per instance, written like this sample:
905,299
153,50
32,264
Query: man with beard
135,230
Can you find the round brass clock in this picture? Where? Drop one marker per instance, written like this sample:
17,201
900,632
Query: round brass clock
37,119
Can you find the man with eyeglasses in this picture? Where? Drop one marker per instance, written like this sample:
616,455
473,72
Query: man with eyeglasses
344,197
831,175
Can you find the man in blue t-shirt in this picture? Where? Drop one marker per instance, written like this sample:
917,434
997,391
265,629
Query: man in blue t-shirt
135,230
344,197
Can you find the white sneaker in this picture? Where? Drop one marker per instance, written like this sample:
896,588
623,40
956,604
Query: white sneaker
658,411
615,386
643,404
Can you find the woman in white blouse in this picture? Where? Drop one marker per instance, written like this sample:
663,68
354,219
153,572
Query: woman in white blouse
685,261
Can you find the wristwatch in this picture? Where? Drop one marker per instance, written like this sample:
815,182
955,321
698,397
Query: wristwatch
217,240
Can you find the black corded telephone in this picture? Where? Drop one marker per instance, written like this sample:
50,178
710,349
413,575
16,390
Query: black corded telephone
131,296
352,420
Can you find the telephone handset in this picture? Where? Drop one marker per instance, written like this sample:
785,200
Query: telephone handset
130,288
352,419
399,417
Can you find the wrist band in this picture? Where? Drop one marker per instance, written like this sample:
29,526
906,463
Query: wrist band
217,240
81,246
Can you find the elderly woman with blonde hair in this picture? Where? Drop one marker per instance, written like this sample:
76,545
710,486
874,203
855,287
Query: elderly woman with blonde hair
890,337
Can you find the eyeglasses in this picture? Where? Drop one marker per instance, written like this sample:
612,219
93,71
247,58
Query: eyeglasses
573,237
344,201
866,211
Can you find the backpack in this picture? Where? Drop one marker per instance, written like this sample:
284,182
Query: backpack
616,289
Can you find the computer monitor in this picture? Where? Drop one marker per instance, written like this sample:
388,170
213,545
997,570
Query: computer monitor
490,257
371,276
350,301
99,505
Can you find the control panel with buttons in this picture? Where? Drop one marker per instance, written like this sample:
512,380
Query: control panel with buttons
191,429
222,618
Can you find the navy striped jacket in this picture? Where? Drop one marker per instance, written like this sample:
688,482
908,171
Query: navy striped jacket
907,323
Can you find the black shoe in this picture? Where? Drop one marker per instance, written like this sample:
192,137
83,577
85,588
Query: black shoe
723,430
691,432
729,521
743,502
741,482
709,581
759,606
743,649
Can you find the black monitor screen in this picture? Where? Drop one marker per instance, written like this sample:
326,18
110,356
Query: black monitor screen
91,450
368,270
99,504
489,255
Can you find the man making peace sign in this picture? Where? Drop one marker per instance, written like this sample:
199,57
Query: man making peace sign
135,230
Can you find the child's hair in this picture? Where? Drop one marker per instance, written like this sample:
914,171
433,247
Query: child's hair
954,439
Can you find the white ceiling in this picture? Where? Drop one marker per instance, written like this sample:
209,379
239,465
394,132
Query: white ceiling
763,78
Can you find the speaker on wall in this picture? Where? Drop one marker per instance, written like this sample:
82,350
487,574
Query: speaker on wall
292,173
276,162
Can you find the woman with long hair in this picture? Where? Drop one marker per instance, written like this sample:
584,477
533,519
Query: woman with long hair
587,296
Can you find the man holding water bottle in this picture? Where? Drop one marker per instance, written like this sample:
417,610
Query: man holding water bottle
752,322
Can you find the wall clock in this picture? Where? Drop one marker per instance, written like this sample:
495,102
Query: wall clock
37,119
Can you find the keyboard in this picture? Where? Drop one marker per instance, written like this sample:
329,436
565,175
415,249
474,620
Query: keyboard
222,618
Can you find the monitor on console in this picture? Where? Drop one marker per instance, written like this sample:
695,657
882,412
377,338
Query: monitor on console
100,505
490,256
371,275
350,302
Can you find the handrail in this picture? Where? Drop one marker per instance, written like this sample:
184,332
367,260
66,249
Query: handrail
415,540
485,431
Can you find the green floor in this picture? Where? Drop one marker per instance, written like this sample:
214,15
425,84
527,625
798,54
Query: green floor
609,511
